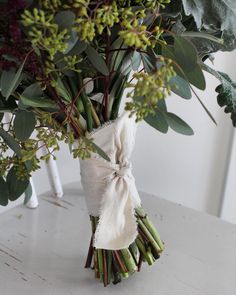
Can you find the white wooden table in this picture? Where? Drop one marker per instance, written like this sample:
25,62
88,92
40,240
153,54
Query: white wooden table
42,251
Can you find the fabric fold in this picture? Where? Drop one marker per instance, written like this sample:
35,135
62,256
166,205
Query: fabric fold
109,187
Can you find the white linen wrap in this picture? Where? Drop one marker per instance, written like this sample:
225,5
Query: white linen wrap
110,187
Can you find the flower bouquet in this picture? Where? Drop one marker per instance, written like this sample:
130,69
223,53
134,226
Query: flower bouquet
85,72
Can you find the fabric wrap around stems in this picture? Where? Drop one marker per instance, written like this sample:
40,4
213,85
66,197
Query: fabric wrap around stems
109,187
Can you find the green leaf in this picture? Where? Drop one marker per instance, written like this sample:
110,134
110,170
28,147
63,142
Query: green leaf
117,57
16,186
180,87
212,14
75,46
38,103
33,96
10,141
185,53
28,193
147,62
161,105
136,60
10,81
4,193
226,92
24,124
1,116
34,90
98,150
177,124
62,90
96,60
157,121
7,105
65,19
72,41
197,78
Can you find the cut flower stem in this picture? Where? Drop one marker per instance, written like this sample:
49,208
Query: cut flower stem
113,265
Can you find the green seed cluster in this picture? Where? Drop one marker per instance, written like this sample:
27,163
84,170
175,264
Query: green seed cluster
94,22
148,89
52,5
84,149
44,32
146,3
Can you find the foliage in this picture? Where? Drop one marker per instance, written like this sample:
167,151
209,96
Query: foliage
226,92
64,66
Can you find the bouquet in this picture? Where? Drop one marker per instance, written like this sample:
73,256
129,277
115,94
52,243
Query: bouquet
66,69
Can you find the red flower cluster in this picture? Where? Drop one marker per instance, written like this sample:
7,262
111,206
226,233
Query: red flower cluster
15,46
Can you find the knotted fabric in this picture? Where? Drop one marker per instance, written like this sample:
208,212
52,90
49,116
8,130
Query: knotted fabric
110,187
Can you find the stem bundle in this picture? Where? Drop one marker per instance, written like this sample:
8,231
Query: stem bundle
113,265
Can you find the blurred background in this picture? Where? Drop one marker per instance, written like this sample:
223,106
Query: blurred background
197,171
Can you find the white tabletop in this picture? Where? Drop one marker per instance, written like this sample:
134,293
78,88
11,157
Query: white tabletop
42,251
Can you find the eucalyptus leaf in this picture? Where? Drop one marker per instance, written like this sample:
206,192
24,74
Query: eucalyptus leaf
96,60
4,193
16,187
185,53
10,81
7,105
181,53
157,121
38,103
180,87
161,105
65,19
75,46
33,96
177,124
24,124
34,90
10,141
101,152
197,78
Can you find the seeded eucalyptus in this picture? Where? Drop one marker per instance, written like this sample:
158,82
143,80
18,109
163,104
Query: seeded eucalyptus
64,69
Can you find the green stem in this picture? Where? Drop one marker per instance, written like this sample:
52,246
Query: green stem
203,36
100,263
145,253
94,115
109,265
149,225
87,106
149,236
128,260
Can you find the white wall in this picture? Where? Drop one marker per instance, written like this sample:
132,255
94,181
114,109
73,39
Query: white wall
189,170
228,210
186,170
